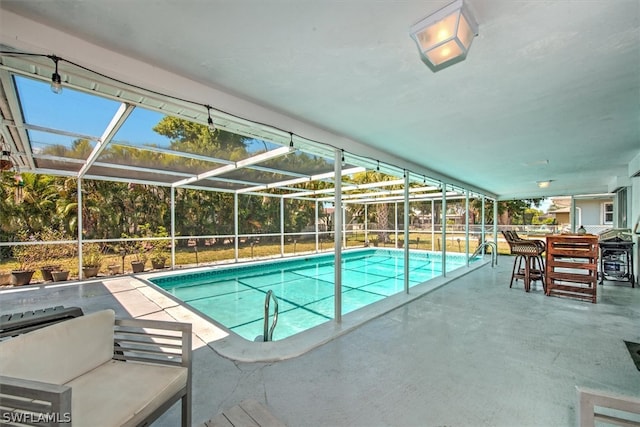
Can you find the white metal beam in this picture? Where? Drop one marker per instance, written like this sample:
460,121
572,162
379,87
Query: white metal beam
16,112
116,123
337,239
237,165
300,180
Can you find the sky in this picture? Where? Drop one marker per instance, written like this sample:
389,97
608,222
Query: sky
82,113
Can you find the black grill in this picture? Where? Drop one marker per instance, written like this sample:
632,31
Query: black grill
616,256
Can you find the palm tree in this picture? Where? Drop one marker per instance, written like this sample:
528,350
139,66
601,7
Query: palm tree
381,209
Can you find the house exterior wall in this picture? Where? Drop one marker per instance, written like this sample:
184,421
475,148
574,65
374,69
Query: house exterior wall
591,212
562,218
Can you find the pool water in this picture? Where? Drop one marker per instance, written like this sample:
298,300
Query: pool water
304,288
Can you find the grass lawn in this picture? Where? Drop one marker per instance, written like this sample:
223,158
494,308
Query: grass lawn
226,253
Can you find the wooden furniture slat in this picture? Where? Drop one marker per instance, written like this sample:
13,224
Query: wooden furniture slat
572,265
572,277
575,253
568,288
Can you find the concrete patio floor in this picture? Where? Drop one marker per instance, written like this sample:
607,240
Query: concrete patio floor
470,353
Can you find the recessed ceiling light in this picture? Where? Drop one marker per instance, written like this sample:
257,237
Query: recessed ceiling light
543,162
544,184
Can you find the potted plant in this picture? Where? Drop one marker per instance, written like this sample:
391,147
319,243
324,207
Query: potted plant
91,262
138,264
5,278
52,254
59,275
46,270
26,256
158,257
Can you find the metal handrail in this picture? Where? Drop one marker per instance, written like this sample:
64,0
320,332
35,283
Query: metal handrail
268,332
494,252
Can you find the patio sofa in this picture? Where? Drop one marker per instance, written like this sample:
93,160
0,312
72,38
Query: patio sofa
69,374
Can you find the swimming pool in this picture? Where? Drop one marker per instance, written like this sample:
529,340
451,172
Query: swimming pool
235,296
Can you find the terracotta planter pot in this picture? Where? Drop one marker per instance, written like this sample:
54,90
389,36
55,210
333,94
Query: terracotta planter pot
46,270
5,279
89,272
158,265
137,266
114,269
60,276
21,277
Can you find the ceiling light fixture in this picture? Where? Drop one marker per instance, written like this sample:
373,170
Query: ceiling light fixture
544,184
56,80
210,124
444,37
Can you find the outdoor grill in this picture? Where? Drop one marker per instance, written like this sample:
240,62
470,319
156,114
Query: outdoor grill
616,255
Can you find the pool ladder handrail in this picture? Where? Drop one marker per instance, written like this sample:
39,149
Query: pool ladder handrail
494,252
268,332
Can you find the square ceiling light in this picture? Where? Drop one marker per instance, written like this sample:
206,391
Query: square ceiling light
444,37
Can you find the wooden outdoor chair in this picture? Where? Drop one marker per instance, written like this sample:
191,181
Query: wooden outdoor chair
530,253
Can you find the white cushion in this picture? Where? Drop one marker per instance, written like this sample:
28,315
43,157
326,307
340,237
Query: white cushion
122,393
60,352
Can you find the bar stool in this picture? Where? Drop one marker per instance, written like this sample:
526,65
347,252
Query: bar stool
529,253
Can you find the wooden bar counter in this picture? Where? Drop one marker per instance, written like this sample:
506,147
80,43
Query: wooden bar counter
572,266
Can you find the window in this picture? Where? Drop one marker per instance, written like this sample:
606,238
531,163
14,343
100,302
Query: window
607,209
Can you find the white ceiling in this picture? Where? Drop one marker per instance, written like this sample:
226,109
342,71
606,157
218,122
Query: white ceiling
549,91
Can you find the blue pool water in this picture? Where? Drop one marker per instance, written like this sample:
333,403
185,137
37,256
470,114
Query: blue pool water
304,287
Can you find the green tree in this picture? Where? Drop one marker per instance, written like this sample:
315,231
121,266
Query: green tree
513,210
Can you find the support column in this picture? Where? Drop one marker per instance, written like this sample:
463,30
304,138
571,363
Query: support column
235,225
495,223
337,238
173,228
281,226
79,221
366,223
317,227
406,232
395,219
433,226
344,226
482,228
572,215
443,221
466,225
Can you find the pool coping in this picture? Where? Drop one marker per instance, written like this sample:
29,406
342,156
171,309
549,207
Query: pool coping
130,291
232,346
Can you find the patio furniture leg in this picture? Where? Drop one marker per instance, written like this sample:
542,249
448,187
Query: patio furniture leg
540,262
527,273
516,269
